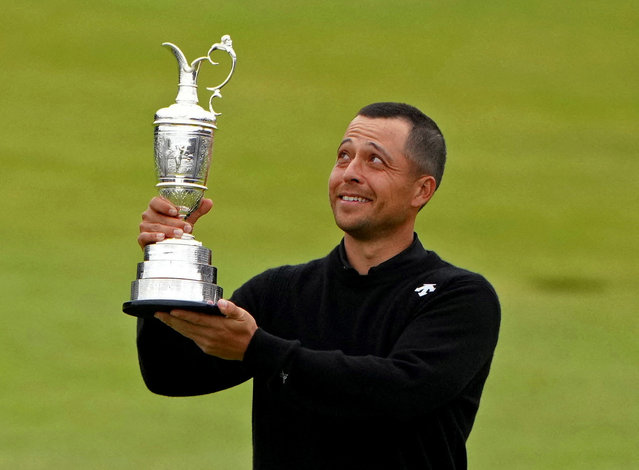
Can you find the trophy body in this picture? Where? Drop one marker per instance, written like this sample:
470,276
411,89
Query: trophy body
177,273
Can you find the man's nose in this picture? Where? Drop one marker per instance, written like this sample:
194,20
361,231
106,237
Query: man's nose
353,171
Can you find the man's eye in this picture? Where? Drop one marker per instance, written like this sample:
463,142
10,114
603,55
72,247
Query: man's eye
376,160
343,157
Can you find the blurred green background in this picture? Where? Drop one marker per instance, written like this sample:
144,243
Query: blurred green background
539,104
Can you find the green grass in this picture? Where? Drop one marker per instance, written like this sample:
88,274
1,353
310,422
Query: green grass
539,104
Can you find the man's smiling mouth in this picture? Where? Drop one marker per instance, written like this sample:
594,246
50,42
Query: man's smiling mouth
354,199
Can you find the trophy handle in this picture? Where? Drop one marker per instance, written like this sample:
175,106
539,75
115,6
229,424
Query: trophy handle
225,45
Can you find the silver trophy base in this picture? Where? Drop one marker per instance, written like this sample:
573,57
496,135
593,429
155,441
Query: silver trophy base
175,274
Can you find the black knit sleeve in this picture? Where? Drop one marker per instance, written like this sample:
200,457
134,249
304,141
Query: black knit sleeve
173,365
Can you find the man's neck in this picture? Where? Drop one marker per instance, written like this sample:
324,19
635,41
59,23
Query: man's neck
365,254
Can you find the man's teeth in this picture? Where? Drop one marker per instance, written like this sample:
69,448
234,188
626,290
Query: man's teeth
354,199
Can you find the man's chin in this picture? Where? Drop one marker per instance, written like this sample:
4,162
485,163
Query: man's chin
359,230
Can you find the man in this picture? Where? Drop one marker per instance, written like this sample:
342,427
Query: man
373,357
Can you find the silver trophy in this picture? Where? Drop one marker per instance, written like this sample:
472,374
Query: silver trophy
177,273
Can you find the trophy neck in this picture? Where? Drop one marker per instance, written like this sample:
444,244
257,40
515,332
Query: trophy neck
187,86
187,94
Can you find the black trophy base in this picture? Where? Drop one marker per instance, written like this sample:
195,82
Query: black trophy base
147,308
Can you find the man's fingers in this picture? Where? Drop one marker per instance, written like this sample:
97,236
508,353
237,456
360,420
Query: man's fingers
218,336
170,231
160,221
163,206
185,322
146,238
152,233
150,217
230,310
191,317
204,208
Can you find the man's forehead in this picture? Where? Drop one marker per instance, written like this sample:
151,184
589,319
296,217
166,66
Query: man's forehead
378,129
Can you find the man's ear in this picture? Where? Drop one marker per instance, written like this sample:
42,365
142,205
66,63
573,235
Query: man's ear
425,187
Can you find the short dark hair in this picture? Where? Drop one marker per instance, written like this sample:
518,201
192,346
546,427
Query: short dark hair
425,144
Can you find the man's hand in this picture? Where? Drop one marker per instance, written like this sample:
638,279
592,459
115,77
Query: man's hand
226,337
160,220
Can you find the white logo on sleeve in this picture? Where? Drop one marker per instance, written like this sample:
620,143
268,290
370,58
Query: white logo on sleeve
425,289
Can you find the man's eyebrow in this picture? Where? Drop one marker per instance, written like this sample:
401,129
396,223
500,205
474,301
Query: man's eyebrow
346,140
380,149
375,145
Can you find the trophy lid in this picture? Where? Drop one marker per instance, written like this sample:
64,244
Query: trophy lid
186,110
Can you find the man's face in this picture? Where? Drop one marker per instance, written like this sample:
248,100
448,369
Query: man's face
374,189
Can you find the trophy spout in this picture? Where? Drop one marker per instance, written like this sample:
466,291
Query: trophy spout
187,78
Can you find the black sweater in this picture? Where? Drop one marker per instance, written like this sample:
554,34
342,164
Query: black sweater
378,371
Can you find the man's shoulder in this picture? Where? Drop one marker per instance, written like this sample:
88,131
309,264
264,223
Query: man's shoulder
268,288
290,271
449,273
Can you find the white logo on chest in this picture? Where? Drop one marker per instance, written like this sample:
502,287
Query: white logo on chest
425,289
